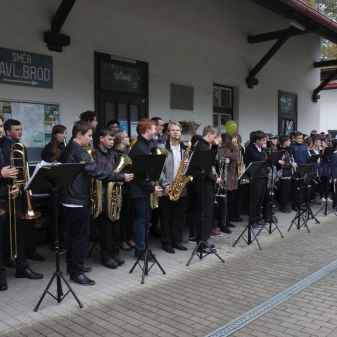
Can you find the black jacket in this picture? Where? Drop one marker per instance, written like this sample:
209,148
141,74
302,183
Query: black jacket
5,151
49,154
252,154
78,192
139,188
210,178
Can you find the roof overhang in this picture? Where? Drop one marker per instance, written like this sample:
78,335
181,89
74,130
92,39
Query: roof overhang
307,16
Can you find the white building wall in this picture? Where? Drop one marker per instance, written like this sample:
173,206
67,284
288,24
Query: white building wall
328,119
191,42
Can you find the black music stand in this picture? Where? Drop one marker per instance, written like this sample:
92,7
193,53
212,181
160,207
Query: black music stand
50,178
147,167
272,219
304,212
249,173
201,163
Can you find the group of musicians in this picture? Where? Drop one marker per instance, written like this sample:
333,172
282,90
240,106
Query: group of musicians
209,204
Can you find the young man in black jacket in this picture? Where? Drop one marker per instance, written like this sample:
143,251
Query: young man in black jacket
141,189
255,151
23,270
75,200
202,191
106,159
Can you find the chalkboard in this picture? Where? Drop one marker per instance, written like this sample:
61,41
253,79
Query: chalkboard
37,121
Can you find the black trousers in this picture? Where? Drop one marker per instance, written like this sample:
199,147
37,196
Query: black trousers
172,220
285,193
109,236
77,224
224,209
21,262
257,198
126,219
202,203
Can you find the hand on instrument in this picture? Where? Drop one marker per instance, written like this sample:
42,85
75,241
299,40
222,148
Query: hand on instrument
281,162
185,163
227,160
219,181
334,180
158,191
9,172
128,177
14,191
294,165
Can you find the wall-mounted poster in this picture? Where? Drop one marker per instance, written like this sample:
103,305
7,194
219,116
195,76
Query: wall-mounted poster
37,121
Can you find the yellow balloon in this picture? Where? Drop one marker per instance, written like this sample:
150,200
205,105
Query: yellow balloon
231,127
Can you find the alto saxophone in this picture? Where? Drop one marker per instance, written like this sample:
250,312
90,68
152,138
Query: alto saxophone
154,200
114,191
180,180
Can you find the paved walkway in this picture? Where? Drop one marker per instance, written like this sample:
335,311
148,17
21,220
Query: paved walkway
192,301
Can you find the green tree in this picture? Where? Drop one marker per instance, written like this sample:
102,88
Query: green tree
328,8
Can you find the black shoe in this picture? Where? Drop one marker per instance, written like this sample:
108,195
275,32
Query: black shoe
82,280
239,219
110,263
35,256
285,210
192,239
28,273
85,270
225,229
10,264
118,260
168,249
3,284
231,225
179,246
150,257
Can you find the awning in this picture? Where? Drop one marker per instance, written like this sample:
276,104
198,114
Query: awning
302,13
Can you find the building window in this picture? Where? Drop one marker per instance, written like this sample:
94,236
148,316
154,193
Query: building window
287,112
222,106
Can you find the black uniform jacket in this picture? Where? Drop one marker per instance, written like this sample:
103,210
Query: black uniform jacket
78,192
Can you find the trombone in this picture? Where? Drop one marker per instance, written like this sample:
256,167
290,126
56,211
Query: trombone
18,161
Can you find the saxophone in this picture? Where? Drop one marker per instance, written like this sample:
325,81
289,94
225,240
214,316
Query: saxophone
180,180
114,191
154,200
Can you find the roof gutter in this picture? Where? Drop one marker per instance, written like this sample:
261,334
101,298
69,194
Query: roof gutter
311,13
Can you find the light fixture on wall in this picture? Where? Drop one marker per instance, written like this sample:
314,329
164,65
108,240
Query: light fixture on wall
297,25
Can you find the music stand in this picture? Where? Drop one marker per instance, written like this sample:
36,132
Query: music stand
199,165
50,178
272,219
249,173
147,167
304,211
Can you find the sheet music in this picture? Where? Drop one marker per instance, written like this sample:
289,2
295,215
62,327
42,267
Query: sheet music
37,168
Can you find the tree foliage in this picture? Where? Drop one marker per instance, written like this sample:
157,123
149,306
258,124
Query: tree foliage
329,8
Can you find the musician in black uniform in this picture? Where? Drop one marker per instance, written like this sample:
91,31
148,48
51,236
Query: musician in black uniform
202,191
106,159
141,189
75,200
255,151
7,175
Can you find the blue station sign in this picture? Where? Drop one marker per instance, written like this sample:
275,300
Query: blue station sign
24,68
